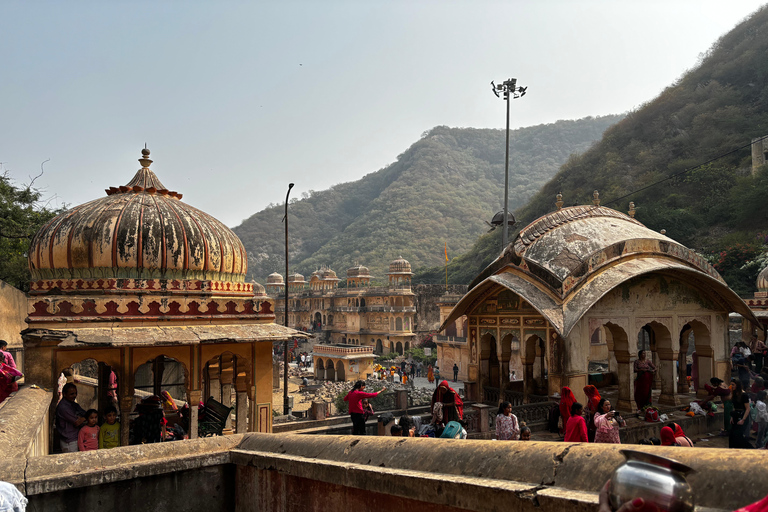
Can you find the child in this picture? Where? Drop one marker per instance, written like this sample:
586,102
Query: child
762,419
109,434
367,409
88,437
525,432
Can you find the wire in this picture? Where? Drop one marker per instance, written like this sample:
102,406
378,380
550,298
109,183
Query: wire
685,171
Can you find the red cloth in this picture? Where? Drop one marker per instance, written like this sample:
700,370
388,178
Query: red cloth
593,396
759,506
643,386
678,430
576,430
567,399
668,437
445,396
354,397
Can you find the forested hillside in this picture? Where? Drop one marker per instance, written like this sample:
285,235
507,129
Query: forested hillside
709,116
440,190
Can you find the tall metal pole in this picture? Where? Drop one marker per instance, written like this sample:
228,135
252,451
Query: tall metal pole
504,233
285,348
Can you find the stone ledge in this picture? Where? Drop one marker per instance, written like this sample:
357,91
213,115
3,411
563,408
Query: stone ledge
18,428
83,469
573,466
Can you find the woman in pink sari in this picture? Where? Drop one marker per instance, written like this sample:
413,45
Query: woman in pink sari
644,380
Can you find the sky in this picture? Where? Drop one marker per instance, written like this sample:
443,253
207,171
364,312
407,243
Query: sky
237,99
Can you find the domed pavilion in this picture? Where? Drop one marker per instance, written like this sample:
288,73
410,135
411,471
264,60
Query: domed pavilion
139,279
589,284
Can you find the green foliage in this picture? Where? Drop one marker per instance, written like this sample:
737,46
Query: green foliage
343,407
441,189
705,116
417,354
20,217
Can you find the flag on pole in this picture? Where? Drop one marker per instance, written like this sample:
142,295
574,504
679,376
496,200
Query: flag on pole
446,251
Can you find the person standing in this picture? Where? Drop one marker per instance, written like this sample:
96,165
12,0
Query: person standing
606,423
576,428
507,427
453,405
644,380
69,418
413,370
356,412
455,372
419,369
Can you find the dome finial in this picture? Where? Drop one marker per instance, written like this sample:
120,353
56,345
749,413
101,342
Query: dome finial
144,160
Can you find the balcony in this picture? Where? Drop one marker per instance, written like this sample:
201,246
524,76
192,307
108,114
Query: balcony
341,350
404,309
452,339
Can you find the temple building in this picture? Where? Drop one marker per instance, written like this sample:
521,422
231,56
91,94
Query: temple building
590,275
359,313
148,288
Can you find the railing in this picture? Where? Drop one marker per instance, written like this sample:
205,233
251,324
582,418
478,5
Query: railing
404,309
342,351
514,397
490,395
379,307
472,417
455,339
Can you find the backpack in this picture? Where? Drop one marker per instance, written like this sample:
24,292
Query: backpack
651,415
452,430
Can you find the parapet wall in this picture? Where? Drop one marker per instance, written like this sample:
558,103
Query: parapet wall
287,472
13,312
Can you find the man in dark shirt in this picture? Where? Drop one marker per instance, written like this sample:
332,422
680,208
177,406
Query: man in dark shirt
455,372
69,418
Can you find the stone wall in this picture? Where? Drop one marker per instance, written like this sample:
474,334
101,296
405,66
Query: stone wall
427,312
13,312
284,472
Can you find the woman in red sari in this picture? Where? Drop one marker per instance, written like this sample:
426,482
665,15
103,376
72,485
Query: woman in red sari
453,406
567,399
644,380
593,399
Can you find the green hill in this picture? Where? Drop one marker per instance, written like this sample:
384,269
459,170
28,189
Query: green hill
709,115
440,190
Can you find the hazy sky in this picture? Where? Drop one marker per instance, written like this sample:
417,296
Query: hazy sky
237,99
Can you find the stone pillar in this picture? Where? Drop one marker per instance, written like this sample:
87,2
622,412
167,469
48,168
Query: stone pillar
705,371
125,402
242,412
667,372
471,391
318,410
682,383
401,399
626,402
482,416
656,360
194,401
528,386
214,384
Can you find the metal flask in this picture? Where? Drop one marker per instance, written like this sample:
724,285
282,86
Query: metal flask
655,479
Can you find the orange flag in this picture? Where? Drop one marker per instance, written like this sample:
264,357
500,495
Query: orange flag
446,251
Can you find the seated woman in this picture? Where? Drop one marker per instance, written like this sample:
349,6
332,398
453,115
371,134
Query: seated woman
453,406
668,438
680,436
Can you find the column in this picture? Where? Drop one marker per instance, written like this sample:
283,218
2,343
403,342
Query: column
667,373
194,401
626,402
682,383
241,410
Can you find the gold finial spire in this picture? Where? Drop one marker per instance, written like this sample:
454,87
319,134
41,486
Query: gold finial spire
631,209
559,202
663,231
144,160
596,198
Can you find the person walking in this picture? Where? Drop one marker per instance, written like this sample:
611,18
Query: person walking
356,412
455,372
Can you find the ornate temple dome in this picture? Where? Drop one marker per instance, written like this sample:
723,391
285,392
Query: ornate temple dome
140,230
275,278
400,266
296,278
762,280
358,271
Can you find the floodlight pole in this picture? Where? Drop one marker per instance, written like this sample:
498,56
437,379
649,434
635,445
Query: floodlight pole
511,91
285,318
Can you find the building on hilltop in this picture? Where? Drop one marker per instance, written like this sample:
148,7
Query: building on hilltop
590,275
138,282
358,313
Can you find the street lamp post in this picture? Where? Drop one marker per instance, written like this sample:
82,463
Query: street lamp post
285,315
508,88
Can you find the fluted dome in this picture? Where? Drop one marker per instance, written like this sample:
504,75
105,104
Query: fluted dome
140,230
400,266
275,278
358,271
296,278
762,280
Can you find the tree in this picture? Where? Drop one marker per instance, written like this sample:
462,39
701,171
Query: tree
21,215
